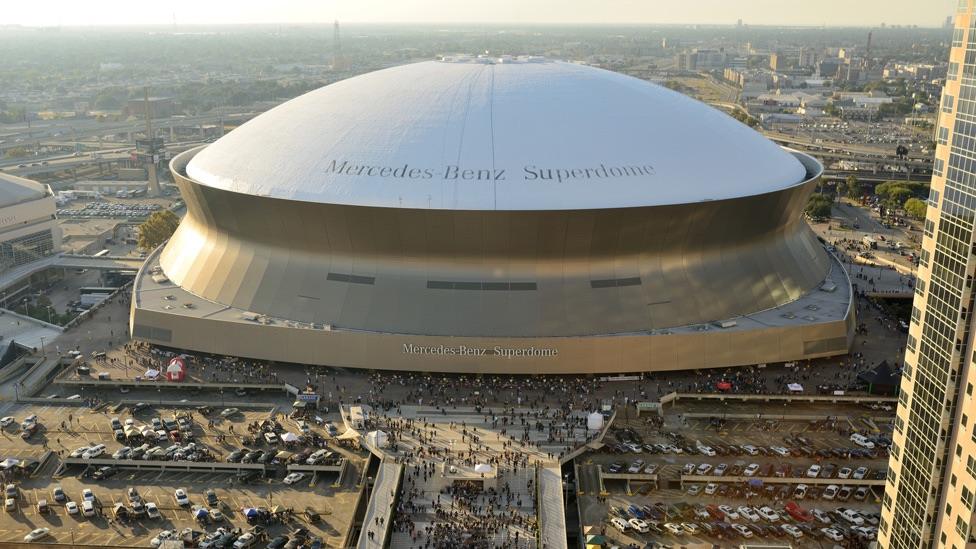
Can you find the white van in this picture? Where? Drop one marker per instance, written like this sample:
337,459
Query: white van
619,524
862,441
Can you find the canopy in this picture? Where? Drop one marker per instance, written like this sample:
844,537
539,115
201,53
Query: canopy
289,437
350,434
594,421
201,513
378,439
284,454
482,468
795,387
882,379
723,386
8,463
152,373
250,512
755,482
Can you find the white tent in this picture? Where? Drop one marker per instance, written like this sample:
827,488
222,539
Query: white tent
795,388
594,421
8,463
378,439
152,373
289,437
483,468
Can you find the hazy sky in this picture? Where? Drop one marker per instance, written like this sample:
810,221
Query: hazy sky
763,12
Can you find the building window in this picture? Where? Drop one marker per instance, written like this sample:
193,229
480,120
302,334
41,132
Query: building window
958,454
962,528
916,315
965,420
953,71
943,135
911,343
933,198
938,167
971,466
957,35
967,498
969,386
923,258
948,102
952,478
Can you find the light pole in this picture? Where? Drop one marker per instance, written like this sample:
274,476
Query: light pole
42,347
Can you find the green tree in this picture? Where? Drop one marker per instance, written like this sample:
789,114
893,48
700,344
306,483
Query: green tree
841,188
897,197
818,207
853,188
916,208
157,229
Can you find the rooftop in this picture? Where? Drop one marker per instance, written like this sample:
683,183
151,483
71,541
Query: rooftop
495,134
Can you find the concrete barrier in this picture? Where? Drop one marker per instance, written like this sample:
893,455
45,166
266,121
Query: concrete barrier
783,480
857,399
178,466
303,468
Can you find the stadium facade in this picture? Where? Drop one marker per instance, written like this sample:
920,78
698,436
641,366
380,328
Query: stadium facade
510,215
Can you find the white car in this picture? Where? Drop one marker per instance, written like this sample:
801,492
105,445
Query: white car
674,529
751,469
244,541
216,515
830,492
768,513
860,473
88,508
845,472
780,451
94,452
122,453
651,469
293,478
181,498
832,534
39,533
814,471
7,421
749,513
227,412
730,513
152,511
71,507
161,537
742,530
793,531
711,488
751,450
636,467
704,468
87,495
78,452
639,525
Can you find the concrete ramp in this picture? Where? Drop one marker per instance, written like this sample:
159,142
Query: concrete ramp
552,512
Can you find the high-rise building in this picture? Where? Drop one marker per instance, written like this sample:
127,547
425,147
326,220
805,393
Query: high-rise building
930,494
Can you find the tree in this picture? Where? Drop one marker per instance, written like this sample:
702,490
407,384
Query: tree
841,189
818,207
853,188
916,208
157,229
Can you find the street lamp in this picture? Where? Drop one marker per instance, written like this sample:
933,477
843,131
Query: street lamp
42,347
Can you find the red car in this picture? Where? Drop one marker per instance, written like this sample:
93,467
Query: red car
715,512
798,513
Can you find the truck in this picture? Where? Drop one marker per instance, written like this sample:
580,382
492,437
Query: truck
870,242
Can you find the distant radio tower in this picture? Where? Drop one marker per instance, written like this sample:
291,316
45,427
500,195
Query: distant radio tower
338,63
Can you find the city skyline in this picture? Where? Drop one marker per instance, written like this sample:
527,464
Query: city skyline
708,12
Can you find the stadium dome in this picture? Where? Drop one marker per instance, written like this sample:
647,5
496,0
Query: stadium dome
506,134
505,213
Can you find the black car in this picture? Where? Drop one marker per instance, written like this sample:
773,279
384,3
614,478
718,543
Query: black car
236,455
212,498
105,472
249,476
140,406
278,542
251,457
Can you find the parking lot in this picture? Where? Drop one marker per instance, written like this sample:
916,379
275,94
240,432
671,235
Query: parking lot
691,473
65,429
